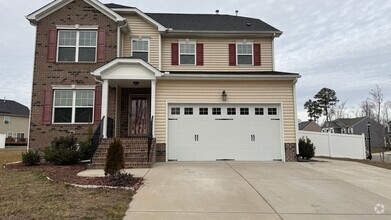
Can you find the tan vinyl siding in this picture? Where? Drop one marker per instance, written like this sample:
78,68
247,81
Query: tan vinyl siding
141,28
216,55
193,91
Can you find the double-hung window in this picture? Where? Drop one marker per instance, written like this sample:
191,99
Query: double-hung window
187,53
73,106
140,49
7,120
244,53
77,46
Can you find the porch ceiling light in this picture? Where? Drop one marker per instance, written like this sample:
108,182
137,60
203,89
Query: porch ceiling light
136,83
224,95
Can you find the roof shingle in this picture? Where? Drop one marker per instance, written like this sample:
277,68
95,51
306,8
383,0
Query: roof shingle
10,107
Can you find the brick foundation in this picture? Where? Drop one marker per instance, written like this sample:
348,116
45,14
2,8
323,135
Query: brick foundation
161,152
290,152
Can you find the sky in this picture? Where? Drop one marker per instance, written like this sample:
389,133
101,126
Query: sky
343,45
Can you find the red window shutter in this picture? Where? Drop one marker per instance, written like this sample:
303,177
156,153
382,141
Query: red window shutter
52,46
174,54
98,106
232,54
101,50
200,54
47,107
257,54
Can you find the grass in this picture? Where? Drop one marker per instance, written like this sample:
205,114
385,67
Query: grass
29,195
367,162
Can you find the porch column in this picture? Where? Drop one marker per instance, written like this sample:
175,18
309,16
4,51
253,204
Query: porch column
153,104
105,100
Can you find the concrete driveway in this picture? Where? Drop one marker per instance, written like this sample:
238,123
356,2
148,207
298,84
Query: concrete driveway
239,190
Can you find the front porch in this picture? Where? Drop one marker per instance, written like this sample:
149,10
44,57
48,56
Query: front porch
127,111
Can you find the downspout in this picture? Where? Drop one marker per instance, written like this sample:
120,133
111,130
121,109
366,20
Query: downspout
119,45
274,35
295,112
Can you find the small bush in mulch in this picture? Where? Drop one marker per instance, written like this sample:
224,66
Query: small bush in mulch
115,158
63,151
31,158
306,148
120,179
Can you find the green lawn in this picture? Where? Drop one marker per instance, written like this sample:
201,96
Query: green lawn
29,195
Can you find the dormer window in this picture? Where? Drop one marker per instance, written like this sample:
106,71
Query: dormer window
187,53
77,46
140,49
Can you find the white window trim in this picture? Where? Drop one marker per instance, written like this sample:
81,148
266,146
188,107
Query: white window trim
195,52
10,132
73,108
77,27
244,42
9,120
343,130
73,87
20,133
331,130
77,46
143,39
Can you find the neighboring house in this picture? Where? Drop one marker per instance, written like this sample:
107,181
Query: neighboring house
309,126
388,134
203,86
357,126
14,122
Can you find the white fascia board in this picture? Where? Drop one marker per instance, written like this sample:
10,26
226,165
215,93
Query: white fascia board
120,61
274,33
160,27
56,5
228,77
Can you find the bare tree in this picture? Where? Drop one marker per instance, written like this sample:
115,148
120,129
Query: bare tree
377,98
386,112
339,111
367,109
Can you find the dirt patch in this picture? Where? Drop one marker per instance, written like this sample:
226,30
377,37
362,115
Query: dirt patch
68,174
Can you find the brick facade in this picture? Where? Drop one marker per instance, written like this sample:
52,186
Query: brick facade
47,74
290,152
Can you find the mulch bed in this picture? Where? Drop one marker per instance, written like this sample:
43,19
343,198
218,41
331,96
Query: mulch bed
68,174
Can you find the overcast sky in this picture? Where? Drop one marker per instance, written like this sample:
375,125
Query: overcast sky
344,45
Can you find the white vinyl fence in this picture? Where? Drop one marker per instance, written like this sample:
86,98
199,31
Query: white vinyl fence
2,141
336,145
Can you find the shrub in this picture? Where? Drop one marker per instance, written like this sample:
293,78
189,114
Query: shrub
31,158
306,148
85,149
63,151
115,158
120,179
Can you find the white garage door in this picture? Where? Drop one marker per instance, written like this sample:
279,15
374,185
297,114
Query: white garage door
209,132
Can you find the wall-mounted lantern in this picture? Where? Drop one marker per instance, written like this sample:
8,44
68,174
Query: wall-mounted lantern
224,95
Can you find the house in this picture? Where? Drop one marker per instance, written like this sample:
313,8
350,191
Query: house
185,87
14,122
357,126
309,126
388,134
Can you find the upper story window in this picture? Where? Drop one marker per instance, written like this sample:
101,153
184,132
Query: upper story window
350,130
187,53
140,49
73,106
244,53
76,46
7,120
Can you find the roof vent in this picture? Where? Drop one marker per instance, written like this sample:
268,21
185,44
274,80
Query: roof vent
217,12
248,24
236,12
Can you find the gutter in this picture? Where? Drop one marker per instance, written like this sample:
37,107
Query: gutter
228,77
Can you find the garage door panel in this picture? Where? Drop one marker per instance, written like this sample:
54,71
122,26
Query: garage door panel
213,134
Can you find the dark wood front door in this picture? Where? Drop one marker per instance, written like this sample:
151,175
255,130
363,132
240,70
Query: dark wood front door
139,115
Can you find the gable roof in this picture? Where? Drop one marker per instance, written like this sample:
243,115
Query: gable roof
9,107
344,122
211,22
303,124
57,4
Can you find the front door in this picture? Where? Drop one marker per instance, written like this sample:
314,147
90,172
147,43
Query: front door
138,115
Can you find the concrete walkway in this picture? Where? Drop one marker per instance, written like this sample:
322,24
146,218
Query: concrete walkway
238,190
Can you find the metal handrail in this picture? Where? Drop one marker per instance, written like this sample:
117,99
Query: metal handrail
150,136
96,139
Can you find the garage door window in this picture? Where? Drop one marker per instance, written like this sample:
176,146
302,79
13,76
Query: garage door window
175,111
231,111
272,111
188,111
259,111
203,111
244,111
216,111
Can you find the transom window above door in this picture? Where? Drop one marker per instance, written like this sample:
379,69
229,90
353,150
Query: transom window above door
187,53
77,46
140,49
